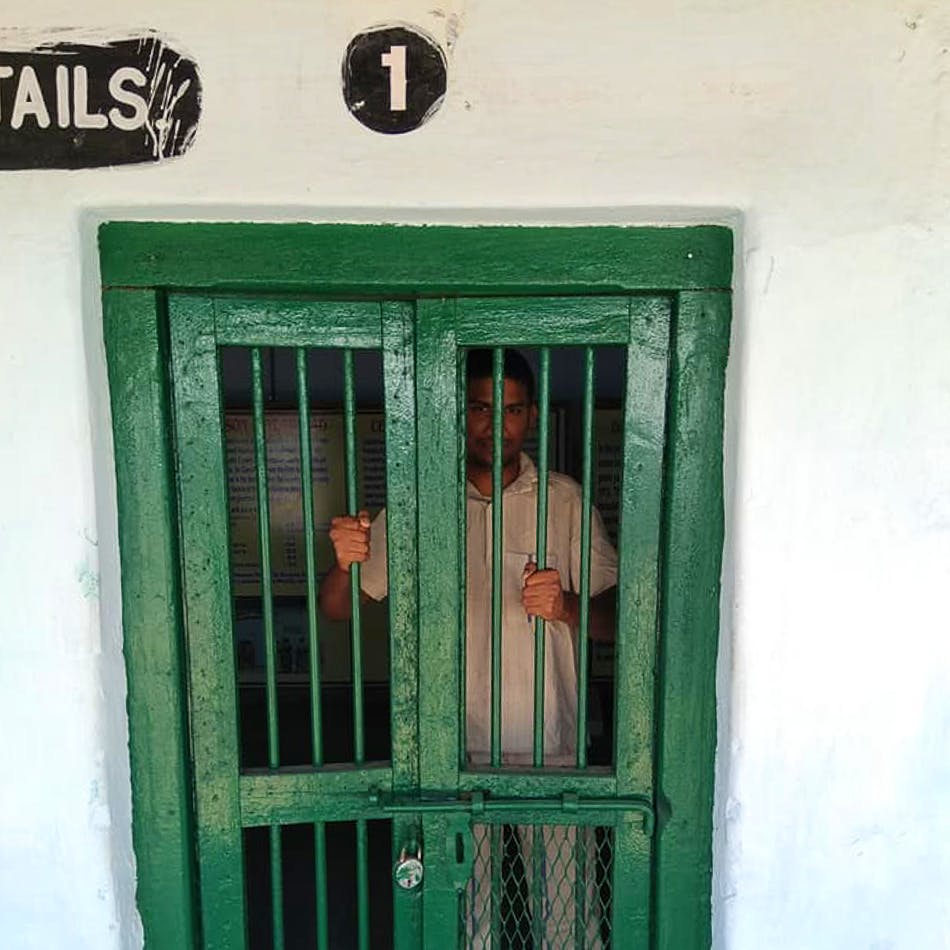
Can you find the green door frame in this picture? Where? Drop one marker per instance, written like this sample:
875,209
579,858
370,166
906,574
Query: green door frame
142,262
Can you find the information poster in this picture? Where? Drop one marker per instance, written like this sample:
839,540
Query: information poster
288,555
288,563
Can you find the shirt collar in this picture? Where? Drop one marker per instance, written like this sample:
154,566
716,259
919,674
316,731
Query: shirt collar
525,482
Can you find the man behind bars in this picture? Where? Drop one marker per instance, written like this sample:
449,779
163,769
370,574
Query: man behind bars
528,592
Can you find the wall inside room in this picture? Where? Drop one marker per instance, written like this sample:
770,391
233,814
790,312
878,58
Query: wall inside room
820,130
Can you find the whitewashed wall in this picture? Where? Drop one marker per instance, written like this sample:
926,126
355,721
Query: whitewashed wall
821,130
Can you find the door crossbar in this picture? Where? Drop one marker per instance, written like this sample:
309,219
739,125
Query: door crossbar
477,804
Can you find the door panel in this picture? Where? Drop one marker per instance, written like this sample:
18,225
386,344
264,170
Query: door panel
541,852
279,798
545,796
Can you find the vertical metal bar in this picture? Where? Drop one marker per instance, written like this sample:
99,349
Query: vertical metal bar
538,848
497,857
263,530
581,909
306,486
538,883
497,563
362,884
584,593
352,507
277,887
320,860
541,547
462,404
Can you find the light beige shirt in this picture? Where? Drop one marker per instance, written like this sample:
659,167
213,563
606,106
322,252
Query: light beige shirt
519,519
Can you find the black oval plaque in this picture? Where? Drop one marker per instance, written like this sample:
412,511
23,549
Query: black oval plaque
83,105
394,78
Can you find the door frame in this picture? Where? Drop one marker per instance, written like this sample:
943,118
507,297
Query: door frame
142,261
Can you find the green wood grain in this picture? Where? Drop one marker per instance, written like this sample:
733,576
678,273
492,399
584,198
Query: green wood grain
641,490
334,793
434,260
594,781
133,324
542,321
205,559
285,322
631,886
689,621
399,380
441,621
441,616
637,605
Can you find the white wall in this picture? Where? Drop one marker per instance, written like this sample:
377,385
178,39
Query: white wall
825,124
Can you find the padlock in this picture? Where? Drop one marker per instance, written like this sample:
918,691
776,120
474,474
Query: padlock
408,870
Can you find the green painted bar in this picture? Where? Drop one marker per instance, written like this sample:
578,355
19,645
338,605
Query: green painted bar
352,508
631,886
285,322
133,325
537,886
441,627
497,538
288,797
398,335
400,259
594,780
202,489
495,321
581,909
398,321
306,489
641,492
263,533
689,619
277,886
462,405
320,860
541,545
497,850
362,884
583,643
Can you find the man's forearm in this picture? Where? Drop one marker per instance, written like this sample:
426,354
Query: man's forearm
602,619
335,594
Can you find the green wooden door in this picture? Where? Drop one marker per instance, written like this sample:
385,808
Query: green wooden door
583,833
230,799
178,296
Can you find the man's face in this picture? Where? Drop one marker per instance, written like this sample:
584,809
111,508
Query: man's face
519,418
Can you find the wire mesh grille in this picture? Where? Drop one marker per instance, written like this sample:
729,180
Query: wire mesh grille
538,886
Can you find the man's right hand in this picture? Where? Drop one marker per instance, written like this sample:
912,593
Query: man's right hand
350,539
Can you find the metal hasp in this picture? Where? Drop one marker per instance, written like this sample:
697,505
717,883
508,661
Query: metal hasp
477,804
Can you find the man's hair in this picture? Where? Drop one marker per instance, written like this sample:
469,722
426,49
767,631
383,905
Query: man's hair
480,362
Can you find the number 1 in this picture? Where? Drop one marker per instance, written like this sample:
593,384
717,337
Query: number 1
395,62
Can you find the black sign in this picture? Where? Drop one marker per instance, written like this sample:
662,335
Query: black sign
394,78
70,105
